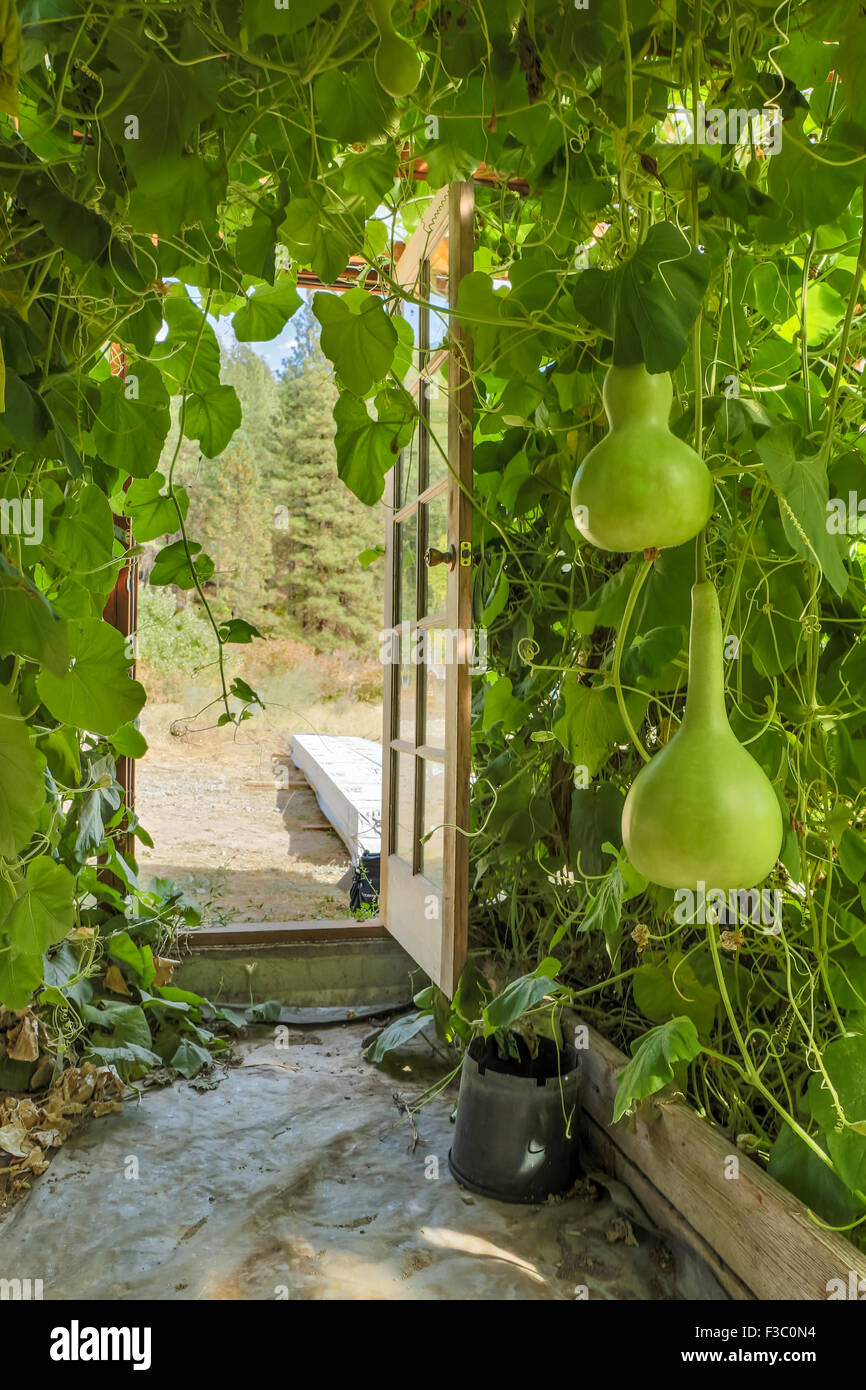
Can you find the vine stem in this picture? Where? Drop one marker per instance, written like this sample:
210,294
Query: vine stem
853,299
636,587
750,1071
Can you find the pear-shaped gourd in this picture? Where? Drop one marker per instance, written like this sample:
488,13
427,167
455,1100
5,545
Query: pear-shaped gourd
702,810
640,486
396,64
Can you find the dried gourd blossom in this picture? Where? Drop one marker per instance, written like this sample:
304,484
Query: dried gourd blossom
640,936
732,940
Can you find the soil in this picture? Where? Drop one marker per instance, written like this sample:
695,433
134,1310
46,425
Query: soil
249,845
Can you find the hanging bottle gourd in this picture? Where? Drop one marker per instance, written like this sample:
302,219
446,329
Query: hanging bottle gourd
702,810
640,486
396,64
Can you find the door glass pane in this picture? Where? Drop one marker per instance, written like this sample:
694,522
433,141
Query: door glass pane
437,394
408,552
408,475
434,692
434,815
407,678
404,807
437,537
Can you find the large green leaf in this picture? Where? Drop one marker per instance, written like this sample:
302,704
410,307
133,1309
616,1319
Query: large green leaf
798,1168
267,311
172,566
804,491
845,1062
153,512
652,1064
357,336
670,988
367,447
520,996
649,303
317,237
83,536
96,691
189,355
43,913
29,625
212,418
183,191
590,723
351,105
21,787
501,706
133,420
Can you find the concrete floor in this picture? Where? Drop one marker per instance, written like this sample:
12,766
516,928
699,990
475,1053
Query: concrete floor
295,1178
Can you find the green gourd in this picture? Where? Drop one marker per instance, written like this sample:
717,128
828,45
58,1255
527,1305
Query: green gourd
640,486
702,810
396,64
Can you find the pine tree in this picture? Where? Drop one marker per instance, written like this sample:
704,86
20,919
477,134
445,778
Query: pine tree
320,527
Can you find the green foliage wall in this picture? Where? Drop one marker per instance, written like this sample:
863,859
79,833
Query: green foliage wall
163,155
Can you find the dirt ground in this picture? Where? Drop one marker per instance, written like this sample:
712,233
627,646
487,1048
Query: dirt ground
228,830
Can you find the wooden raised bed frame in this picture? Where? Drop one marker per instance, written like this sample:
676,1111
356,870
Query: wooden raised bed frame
759,1240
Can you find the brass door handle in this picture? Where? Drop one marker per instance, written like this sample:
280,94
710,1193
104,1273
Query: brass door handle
440,557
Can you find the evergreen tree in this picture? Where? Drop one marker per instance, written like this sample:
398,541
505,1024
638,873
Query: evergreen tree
320,527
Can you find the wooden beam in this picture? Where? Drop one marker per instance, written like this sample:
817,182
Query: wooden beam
760,1239
278,933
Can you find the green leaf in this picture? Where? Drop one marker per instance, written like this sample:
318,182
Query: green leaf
42,913
649,303
119,1024
395,1035
153,512
794,1164
138,957
189,356
267,1012
809,188
212,418
845,1062
367,447
502,707
596,817
84,536
132,421
590,724
317,239
190,1058
267,312
350,104
96,691
652,1065
851,848
357,336
264,17
518,998
29,625
22,790
803,490
172,566
671,989
180,191
238,630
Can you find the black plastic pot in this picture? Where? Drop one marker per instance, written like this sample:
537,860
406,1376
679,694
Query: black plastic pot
510,1137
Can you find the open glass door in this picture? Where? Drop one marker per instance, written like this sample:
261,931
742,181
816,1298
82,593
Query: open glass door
428,646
